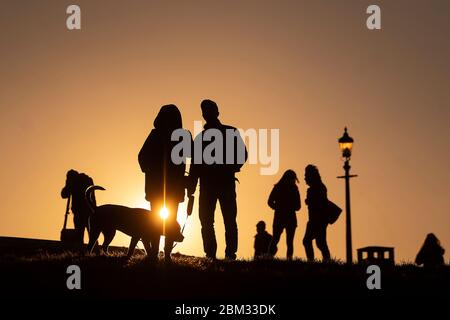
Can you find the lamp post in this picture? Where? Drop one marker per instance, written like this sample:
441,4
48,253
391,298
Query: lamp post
346,144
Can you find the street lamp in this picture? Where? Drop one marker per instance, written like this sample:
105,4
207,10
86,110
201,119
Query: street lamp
346,145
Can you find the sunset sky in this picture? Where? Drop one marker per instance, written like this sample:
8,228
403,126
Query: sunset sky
86,99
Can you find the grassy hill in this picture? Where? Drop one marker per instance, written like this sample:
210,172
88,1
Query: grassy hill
31,269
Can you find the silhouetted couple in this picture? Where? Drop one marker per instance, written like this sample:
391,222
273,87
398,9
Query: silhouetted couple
165,181
285,200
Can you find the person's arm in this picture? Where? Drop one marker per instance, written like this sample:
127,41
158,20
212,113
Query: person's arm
188,167
297,202
65,192
257,248
192,179
144,153
194,168
308,196
324,193
240,145
272,199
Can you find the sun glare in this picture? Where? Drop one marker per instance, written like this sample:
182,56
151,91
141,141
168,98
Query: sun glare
164,213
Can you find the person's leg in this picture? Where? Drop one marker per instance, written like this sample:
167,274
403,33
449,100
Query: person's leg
156,204
153,251
207,206
79,226
277,230
321,242
307,241
168,246
147,242
228,207
290,233
85,225
174,229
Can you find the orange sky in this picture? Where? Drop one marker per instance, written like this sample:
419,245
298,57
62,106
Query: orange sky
87,99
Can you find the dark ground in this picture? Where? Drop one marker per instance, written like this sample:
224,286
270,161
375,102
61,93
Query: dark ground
36,271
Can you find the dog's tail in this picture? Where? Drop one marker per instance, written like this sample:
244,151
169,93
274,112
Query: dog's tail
89,196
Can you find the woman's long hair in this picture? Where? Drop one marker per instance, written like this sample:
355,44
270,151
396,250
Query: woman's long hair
313,174
168,118
431,242
289,178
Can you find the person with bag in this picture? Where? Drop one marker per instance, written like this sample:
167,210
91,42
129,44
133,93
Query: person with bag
285,200
76,185
318,214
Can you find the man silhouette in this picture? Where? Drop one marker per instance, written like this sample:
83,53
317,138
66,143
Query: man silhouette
76,185
217,178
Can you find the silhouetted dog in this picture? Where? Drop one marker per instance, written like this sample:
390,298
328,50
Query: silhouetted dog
135,222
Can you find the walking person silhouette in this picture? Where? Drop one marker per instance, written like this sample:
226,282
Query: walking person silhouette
217,178
285,200
316,200
164,180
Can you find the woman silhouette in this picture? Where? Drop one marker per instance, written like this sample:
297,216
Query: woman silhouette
431,254
285,200
316,199
164,180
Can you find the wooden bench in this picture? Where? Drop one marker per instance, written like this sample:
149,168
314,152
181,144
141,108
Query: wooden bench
376,255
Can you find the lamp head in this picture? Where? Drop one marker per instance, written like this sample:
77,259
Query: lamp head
346,144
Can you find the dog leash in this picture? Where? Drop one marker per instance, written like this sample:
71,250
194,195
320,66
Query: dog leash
190,207
182,230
